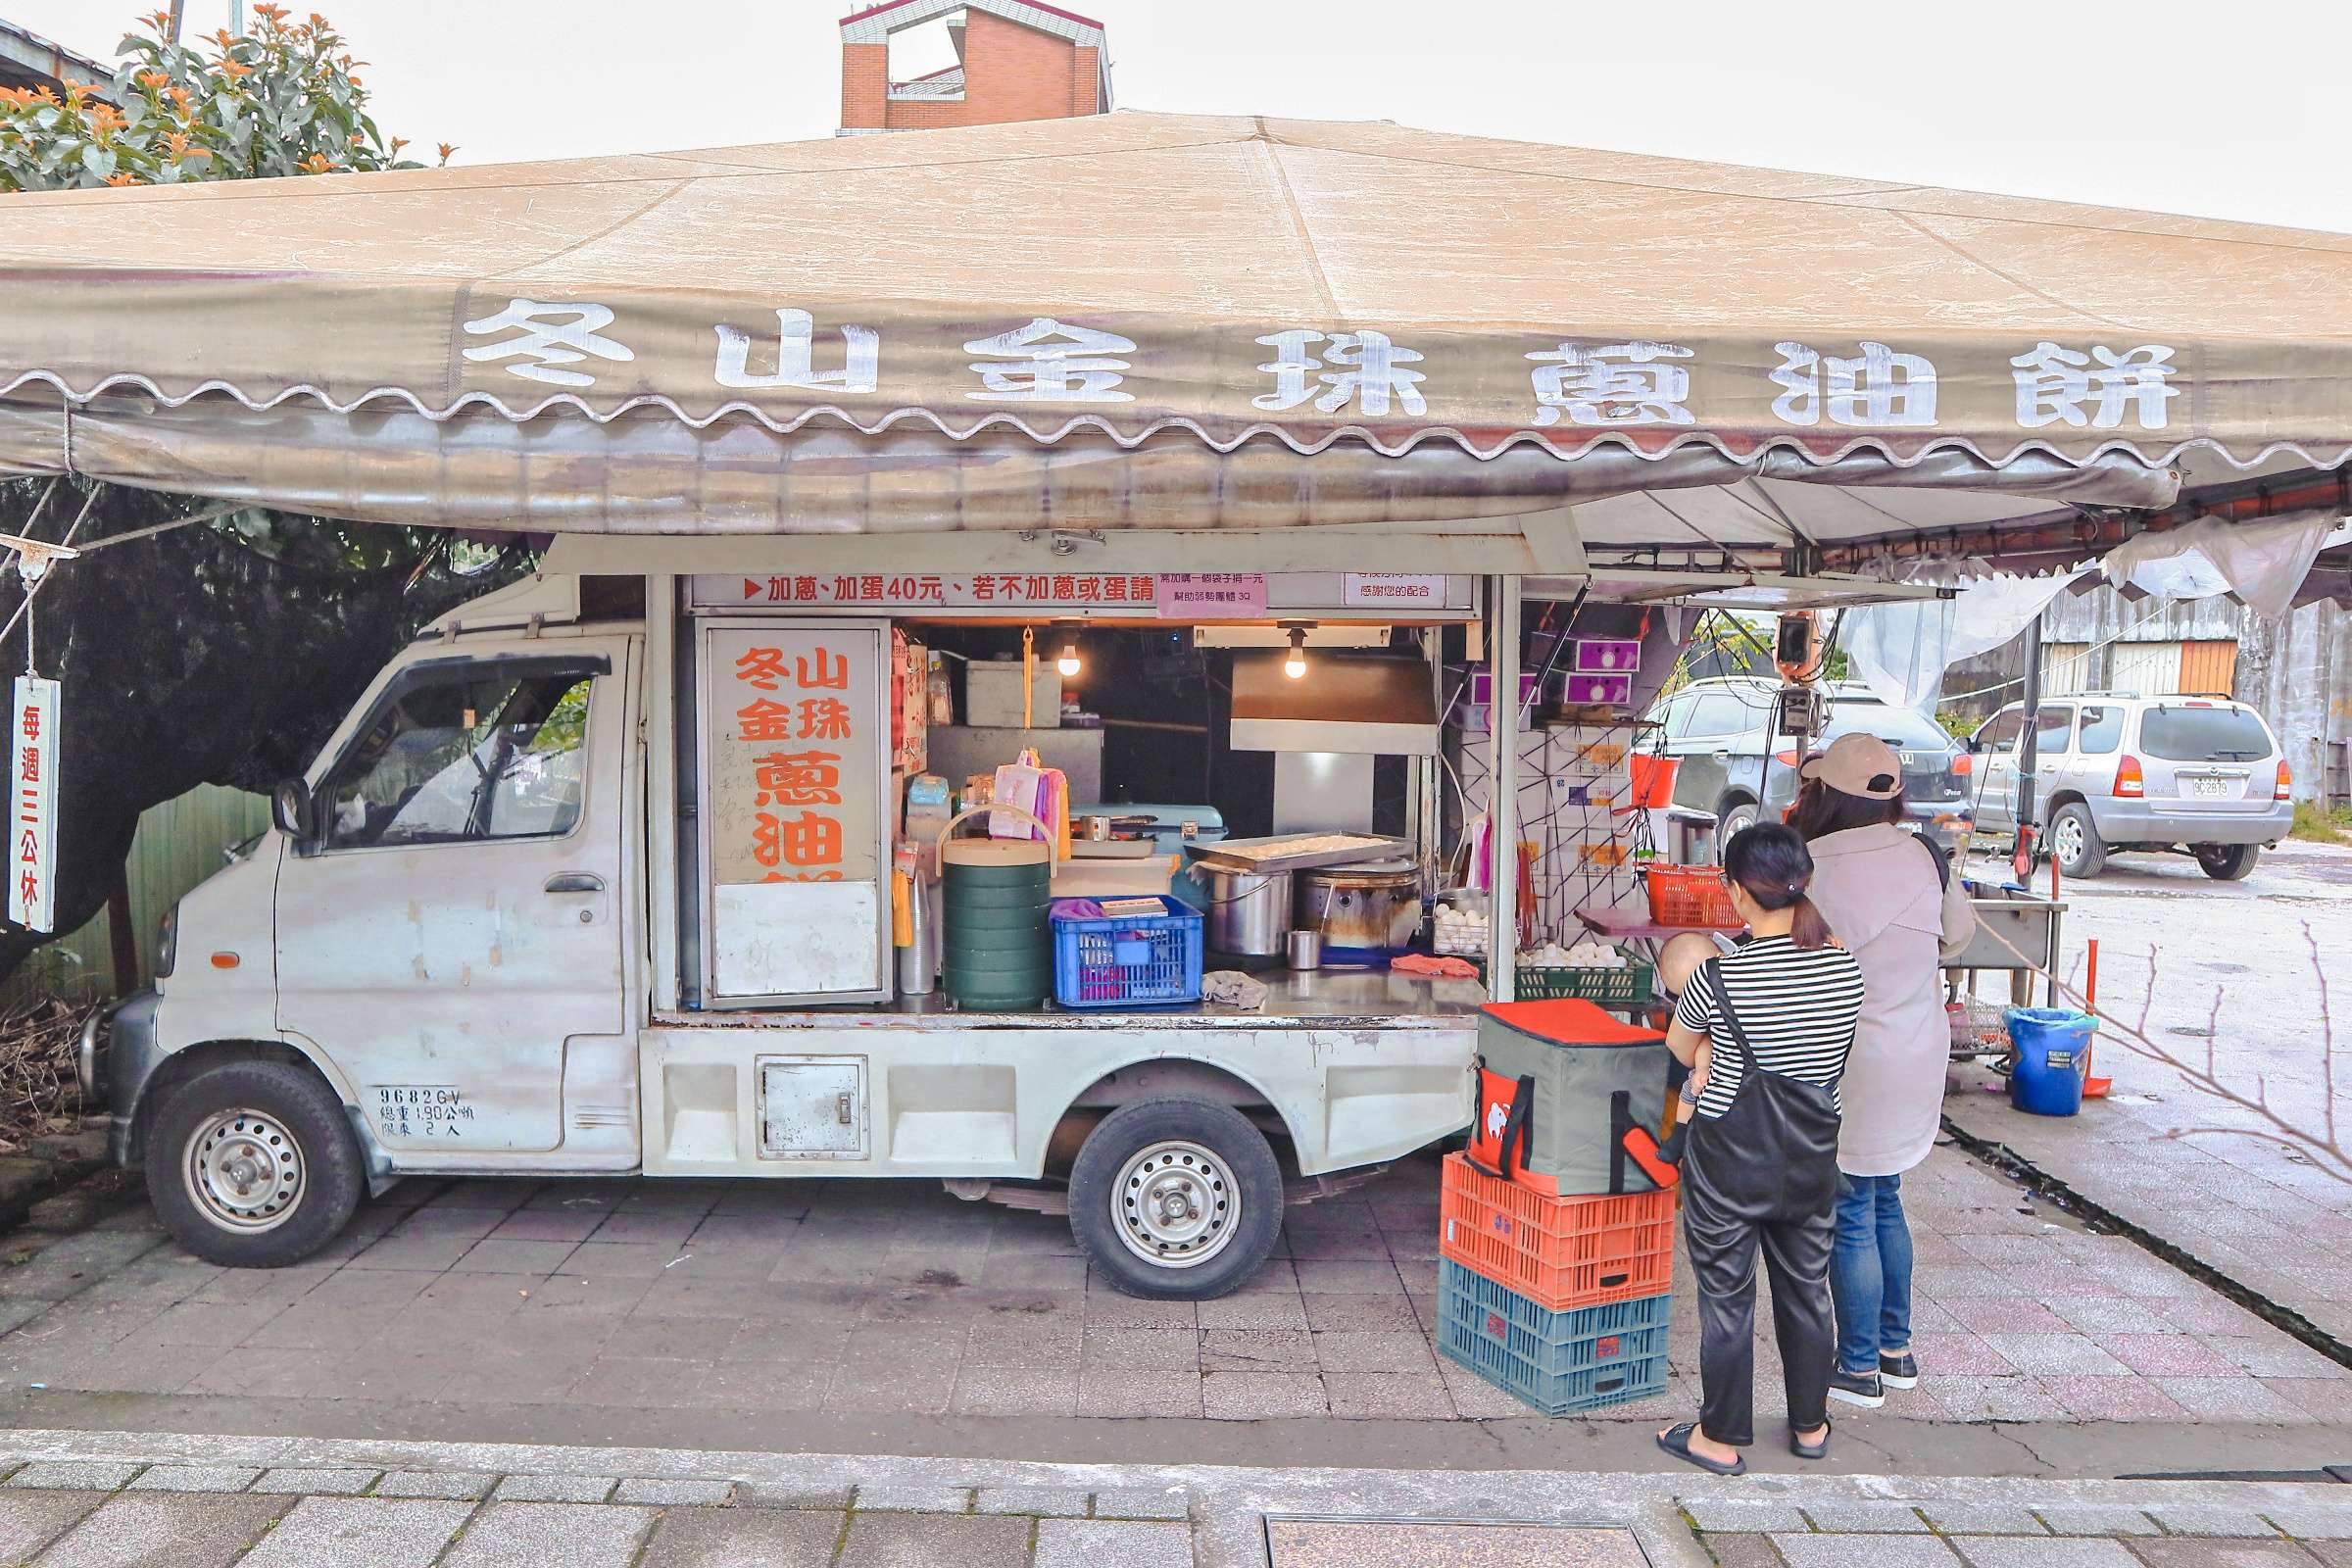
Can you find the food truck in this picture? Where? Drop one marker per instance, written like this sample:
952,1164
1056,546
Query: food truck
602,874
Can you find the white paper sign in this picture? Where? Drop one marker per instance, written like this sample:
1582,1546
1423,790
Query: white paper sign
32,779
1386,590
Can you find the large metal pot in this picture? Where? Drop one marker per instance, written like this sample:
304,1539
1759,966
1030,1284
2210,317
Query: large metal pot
1248,911
1363,911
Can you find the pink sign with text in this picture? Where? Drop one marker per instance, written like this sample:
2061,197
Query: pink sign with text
1210,595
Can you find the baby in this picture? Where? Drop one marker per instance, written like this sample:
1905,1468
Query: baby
1678,961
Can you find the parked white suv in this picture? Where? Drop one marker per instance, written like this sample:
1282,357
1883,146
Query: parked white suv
2120,771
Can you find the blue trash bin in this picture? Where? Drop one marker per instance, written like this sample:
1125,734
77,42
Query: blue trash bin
2053,1052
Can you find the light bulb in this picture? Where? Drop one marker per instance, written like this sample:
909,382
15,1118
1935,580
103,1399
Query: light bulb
1295,666
1068,663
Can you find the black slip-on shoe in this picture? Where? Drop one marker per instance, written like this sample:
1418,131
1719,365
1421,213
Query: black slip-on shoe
1898,1371
1857,1388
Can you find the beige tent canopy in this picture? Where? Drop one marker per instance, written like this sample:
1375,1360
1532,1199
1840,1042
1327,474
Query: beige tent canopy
1162,322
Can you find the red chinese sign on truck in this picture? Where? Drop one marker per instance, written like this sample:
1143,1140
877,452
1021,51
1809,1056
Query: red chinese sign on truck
792,764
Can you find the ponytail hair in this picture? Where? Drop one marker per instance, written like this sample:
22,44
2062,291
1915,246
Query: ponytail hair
1771,865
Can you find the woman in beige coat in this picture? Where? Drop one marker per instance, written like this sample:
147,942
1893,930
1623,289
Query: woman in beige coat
1897,905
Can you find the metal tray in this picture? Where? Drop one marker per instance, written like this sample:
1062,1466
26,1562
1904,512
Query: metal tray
1298,852
2029,921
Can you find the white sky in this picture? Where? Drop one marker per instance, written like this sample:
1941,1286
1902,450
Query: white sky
2172,105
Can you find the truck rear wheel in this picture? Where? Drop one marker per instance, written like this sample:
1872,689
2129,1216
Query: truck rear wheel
251,1164
1176,1200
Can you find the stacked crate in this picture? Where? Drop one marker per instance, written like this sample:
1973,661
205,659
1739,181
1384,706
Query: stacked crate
1553,1293
1562,1301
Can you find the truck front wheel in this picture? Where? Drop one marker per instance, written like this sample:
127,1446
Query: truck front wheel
251,1164
1176,1200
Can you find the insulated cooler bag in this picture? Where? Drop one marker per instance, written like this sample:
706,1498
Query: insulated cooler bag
1569,1099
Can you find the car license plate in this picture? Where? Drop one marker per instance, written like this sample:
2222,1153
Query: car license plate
2208,789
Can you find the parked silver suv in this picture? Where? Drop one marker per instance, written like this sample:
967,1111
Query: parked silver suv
2120,771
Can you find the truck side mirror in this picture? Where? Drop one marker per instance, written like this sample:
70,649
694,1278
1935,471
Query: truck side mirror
293,811
1970,743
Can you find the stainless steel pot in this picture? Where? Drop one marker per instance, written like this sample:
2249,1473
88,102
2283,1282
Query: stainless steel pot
1364,911
1248,911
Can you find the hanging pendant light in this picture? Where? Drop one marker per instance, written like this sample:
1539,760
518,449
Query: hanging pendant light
1068,663
1295,666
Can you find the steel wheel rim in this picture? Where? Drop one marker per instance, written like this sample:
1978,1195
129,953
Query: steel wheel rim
1176,1205
2067,836
245,1171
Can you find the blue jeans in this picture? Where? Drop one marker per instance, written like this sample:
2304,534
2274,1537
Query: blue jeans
1870,1271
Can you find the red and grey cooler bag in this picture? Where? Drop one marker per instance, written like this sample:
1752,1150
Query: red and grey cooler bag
1569,1099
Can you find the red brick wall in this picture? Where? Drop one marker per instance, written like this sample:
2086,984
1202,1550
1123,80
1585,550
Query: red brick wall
1011,73
865,85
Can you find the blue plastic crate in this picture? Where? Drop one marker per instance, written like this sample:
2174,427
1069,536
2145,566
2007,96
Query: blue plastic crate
1128,962
1558,1362
1554,1343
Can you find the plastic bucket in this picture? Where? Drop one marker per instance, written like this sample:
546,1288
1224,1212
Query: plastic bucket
2053,1051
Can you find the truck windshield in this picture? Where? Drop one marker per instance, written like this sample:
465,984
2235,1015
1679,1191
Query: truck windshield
481,754
2203,735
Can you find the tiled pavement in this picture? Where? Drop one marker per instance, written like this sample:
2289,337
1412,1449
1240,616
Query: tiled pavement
80,1515
194,1511
865,1298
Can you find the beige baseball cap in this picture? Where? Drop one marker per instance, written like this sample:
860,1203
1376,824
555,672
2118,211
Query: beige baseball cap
1858,765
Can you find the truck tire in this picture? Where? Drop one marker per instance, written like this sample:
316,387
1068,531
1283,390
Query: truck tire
1176,1200
2075,841
1733,815
251,1164
2229,862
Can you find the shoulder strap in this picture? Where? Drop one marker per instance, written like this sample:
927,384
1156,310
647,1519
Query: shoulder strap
1730,1020
1943,862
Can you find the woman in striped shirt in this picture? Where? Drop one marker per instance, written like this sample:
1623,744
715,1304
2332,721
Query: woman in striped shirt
1775,1021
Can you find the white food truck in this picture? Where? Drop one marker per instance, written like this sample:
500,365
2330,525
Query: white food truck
520,916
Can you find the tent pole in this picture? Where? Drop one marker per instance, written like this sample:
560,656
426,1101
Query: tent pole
1502,786
2029,751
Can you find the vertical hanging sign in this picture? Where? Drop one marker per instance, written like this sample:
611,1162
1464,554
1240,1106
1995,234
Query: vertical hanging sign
32,785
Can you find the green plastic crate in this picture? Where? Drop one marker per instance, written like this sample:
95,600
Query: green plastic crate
1630,987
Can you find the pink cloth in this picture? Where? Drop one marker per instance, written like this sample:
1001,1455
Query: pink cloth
1438,968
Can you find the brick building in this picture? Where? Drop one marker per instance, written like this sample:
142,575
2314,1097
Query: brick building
1015,60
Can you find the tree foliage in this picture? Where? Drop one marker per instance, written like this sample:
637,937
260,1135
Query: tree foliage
223,651
279,100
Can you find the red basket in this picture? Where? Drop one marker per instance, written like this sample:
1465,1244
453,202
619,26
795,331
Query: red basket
1653,779
1562,1254
1691,896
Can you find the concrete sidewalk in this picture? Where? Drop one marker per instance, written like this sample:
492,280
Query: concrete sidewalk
115,1499
2227,967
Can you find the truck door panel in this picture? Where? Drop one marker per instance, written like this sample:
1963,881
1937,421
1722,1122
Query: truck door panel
453,939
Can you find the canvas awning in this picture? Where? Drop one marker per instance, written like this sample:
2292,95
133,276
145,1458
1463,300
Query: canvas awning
1146,320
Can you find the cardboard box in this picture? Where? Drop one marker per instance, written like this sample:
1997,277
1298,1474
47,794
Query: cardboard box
992,694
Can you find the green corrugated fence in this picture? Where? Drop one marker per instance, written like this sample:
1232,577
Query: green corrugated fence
178,845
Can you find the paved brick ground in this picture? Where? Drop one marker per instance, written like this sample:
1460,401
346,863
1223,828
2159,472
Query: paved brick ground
871,1298
209,1515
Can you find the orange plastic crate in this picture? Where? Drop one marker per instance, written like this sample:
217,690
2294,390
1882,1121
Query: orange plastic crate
1692,895
1563,1253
